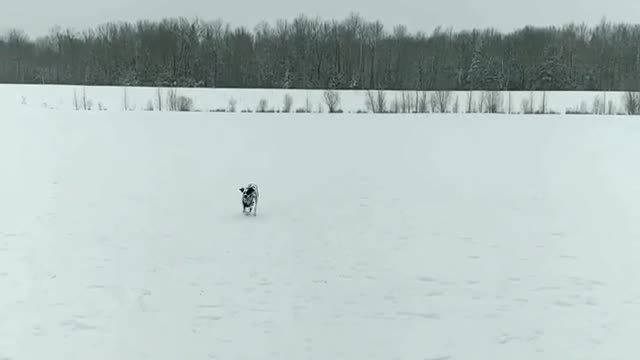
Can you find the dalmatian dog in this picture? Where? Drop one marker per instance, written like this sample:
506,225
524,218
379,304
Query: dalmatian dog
249,199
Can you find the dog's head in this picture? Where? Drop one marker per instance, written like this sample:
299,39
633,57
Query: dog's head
248,194
251,188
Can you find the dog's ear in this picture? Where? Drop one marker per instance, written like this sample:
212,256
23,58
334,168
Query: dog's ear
241,189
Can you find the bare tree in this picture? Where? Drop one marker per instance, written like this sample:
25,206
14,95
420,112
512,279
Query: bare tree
307,106
483,101
395,105
159,99
632,103
172,100
381,101
598,106
85,104
526,106
493,101
440,101
125,100
376,101
371,102
433,102
406,103
611,108
332,99
76,103
456,105
423,106
531,103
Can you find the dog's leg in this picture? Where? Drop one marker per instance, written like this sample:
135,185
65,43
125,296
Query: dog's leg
255,207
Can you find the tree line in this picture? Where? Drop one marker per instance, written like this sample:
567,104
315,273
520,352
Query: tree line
311,53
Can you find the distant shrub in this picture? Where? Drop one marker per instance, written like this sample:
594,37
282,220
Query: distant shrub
527,106
611,108
578,110
263,106
184,103
288,103
177,102
456,105
159,99
395,106
307,105
233,103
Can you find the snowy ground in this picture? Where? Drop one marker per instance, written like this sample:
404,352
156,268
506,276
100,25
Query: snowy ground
377,237
114,98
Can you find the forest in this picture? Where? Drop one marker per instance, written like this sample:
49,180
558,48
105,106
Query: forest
312,53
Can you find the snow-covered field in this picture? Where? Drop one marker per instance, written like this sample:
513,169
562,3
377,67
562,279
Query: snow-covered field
377,237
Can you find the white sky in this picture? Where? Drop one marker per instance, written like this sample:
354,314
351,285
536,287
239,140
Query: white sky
37,17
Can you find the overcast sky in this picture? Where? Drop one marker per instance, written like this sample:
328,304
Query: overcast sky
37,17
